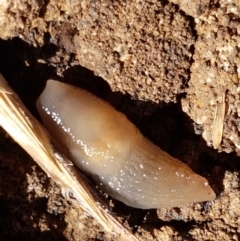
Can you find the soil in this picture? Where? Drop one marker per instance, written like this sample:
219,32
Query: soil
166,66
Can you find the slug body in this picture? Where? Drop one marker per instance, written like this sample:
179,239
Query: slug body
105,144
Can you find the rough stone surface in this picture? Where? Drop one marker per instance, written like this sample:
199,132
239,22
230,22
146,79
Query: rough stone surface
144,51
194,8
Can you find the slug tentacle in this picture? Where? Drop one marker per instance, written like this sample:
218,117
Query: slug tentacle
104,143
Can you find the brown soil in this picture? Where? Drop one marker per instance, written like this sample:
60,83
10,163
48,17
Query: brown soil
143,52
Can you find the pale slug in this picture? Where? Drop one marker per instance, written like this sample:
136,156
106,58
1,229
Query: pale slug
104,143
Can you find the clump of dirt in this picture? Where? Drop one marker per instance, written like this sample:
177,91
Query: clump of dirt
213,93
141,48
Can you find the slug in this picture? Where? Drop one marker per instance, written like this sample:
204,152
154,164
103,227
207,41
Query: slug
103,143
